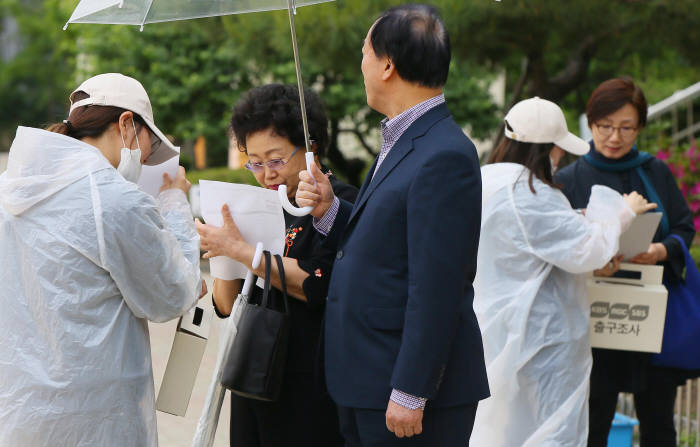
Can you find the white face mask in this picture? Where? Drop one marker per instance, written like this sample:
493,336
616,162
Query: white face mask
554,167
130,161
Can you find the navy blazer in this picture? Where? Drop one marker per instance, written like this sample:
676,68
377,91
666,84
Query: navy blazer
399,311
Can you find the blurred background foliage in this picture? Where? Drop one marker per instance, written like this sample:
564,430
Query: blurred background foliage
195,70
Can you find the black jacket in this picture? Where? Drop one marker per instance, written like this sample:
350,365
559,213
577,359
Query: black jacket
305,244
626,370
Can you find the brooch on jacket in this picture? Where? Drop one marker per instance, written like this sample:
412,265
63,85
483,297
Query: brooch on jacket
290,236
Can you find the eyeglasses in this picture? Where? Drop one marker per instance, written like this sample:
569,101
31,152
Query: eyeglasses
626,132
275,164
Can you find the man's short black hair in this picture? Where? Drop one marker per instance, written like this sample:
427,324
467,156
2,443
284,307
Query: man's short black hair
416,41
276,107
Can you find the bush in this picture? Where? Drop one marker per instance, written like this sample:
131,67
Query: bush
224,174
684,163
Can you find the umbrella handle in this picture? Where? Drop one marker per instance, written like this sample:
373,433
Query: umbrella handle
282,192
248,284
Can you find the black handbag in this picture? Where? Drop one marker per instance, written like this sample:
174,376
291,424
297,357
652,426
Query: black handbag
255,363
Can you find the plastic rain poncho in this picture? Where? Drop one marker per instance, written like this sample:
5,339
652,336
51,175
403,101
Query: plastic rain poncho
531,303
87,259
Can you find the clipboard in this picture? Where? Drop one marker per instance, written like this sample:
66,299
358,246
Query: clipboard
639,235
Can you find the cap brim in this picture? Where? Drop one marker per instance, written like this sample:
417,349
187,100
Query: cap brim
165,150
573,144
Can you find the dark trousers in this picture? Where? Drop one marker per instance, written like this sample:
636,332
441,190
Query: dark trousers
654,406
300,418
442,427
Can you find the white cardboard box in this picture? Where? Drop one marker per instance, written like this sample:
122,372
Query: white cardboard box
628,312
185,358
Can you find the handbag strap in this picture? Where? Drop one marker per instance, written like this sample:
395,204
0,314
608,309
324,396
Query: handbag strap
283,280
266,288
691,269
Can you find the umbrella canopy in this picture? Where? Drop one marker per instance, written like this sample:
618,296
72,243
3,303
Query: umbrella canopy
141,12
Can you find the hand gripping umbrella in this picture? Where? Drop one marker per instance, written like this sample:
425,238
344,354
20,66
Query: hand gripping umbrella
142,12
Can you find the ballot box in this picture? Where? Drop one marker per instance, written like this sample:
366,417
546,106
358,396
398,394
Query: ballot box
628,310
185,358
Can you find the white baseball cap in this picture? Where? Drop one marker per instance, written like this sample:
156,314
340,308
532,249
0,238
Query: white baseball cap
537,120
117,90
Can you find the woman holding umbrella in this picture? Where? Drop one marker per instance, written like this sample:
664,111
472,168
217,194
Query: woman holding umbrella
617,111
267,126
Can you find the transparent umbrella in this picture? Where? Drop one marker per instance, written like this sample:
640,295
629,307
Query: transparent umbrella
143,12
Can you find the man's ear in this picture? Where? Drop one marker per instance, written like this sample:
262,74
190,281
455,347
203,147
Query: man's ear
389,70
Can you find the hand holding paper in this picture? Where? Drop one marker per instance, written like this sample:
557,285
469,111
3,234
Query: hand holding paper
151,179
179,181
656,253
223,241
255,216
638,203
610,268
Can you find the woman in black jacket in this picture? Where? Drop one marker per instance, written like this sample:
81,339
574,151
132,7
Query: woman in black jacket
267,126
616,112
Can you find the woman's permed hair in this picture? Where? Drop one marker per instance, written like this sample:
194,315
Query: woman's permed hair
276,107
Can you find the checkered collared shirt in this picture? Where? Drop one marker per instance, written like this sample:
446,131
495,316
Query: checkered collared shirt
392,129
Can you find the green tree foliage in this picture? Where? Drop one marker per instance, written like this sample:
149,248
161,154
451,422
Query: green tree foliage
189,68
34,81
330,38
560,50
195,70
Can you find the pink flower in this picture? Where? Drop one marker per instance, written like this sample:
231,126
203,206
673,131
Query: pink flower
696,221
695,189
663,154
677,170
695,206
693,167
684,189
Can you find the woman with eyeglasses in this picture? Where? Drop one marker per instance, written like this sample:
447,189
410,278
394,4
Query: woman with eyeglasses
529,291
617,111
267,126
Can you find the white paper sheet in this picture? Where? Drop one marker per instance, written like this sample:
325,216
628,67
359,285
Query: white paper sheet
152,176
257,213
637,238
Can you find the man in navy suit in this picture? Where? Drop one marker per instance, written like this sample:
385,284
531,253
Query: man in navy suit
404,358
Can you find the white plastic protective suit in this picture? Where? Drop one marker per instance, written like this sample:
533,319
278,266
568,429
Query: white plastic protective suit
87,259
530,300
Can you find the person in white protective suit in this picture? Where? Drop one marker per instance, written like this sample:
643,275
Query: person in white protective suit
87,259
530,298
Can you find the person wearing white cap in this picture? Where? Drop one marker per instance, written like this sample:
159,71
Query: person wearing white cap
529,295
87,258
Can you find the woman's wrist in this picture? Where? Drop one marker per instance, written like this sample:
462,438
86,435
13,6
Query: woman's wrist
239,250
